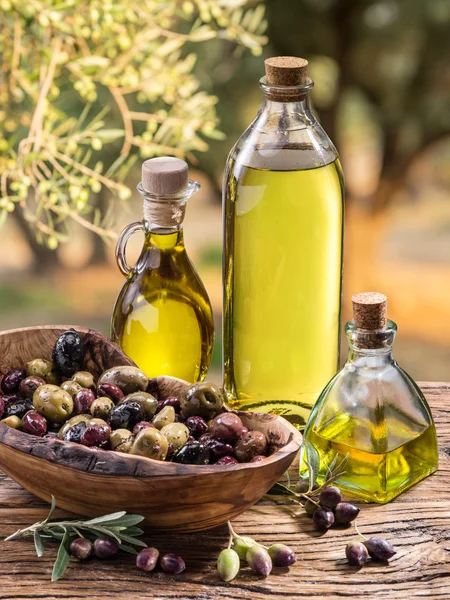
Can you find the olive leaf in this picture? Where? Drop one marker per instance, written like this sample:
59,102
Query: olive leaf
62,559
39,544
313,462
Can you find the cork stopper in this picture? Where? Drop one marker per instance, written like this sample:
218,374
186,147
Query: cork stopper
286,70
164,176
369,311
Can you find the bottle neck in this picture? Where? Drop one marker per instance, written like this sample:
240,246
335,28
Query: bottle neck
372,348
164,238
289,105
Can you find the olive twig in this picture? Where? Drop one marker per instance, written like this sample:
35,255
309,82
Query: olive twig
358,532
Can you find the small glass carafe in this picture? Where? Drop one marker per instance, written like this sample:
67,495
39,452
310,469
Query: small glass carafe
162,318
373,413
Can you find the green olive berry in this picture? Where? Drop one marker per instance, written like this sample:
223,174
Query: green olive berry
39,367
242,544
13,421
148,402
121,440
101,407
151,443
52,378
53,403
71,387
164,417
129,379
202,399
84,378
71,422
176,433
228,564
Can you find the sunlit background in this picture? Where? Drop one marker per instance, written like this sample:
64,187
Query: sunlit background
382,92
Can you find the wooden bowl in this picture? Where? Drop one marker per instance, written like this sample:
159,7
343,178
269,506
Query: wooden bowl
89,481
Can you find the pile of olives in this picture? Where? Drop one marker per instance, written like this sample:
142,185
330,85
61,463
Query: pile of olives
118,413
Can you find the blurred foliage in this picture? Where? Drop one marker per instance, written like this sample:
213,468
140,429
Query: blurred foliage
79,74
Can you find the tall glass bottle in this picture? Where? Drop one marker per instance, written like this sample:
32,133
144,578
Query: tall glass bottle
372,414
163,317
283,228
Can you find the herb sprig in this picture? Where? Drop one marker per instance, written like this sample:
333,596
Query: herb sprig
119,525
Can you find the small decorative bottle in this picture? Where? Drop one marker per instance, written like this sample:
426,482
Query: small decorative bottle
162,317
373,413
283,225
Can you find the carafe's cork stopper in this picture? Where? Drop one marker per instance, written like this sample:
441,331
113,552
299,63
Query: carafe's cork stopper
287,72
369,311
162,178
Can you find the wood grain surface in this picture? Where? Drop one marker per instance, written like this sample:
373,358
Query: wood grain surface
418,523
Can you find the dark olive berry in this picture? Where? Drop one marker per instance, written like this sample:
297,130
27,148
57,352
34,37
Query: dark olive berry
141,425
249,445
330,497
227,460
105,547
74,433
196,425
110,390
217,448
10,399
34,424
281,555
356,554
81,548
2,407
126,415
29,385
147,559
18,408
172,563
68,353
258,458
11,381
345,513
192,453
227,427
323,518
380,549
95,435
171,401
259,560
82,401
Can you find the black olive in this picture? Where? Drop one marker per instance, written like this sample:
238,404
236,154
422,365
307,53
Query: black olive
68,353
192,453
126,415
18,408
74,433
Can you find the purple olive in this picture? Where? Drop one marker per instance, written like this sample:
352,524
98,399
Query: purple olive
142,425
11,381
82,401
81,548
29,385
227,427
258,458
330,496
356,554
197,426
110,390
259,560
172,563
2,407
217,448
147,559
34,424
227,460
105,547
249,445
95,435
380,549
171,401
281,555
345,513
323,518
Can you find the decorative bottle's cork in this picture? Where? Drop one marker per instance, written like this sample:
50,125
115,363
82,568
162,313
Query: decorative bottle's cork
286,70
369,311
165,175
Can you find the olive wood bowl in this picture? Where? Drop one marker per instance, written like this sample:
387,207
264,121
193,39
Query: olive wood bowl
90,481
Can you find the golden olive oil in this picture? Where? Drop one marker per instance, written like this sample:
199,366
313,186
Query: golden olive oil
282,277
163,318
383,459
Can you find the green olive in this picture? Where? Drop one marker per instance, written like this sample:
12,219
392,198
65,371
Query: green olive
148,402
84,378
151,443
164,417
71,422
176,433
39,367
101,407
128,379
121,440
53,403
52,378
202,399
71,387
13,421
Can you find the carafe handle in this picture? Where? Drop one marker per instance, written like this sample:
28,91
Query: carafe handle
121,246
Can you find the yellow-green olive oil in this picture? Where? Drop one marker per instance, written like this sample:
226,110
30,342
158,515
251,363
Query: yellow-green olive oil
282,277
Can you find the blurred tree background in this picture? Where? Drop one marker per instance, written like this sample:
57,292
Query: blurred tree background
382,91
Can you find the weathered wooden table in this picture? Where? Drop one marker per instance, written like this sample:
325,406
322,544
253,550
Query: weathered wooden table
418,523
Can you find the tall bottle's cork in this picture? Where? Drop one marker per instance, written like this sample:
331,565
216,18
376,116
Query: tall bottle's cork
369,311
286,72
